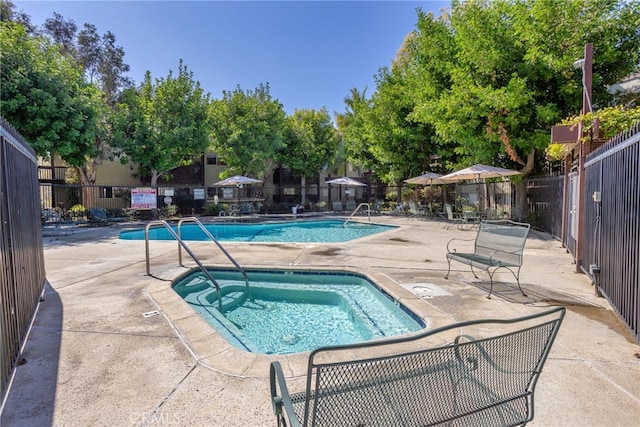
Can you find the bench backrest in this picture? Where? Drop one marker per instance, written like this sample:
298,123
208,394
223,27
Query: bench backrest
502,240
432,377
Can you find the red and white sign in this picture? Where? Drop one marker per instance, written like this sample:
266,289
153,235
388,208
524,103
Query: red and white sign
144,198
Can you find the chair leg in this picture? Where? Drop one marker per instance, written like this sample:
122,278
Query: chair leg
449,270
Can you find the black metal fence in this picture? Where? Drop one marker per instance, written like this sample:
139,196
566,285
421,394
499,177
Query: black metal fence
22,272
610,239
611,245
544,197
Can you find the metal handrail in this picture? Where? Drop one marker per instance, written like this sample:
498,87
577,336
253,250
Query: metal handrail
368,205
180,245
210,236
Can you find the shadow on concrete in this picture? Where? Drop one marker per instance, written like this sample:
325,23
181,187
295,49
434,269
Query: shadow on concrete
33,403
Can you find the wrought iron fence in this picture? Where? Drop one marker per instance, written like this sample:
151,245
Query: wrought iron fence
611,248
22,272
544,197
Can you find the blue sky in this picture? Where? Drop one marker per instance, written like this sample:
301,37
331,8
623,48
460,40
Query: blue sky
310,52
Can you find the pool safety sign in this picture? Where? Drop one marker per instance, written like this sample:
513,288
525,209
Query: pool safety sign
144,198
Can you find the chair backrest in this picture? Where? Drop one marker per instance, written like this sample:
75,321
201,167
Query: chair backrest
491,213
449,210
439,376
337,205
98,213
351,205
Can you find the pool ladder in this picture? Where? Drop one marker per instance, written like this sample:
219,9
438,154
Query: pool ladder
361,205
182,244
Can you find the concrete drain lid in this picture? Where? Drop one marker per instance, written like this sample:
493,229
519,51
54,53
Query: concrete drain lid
425,290
151,313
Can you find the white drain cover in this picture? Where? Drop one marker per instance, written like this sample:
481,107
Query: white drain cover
425,290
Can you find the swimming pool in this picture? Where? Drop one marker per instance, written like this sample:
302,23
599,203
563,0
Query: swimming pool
286,312
326,231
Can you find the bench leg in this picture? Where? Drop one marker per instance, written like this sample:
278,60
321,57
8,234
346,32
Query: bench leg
449,269
518,281
516,275
491,280
474,273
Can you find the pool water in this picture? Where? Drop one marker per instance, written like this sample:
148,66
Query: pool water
328,231
286,312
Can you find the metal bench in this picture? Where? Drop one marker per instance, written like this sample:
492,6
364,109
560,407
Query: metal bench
498,244
481,372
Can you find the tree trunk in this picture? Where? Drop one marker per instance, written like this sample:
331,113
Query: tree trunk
87,178
522,207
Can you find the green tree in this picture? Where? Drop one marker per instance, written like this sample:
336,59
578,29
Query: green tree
310,143
508,72
45,98
102,62
353,130
402,146
380,133
247,129
163,123
8,13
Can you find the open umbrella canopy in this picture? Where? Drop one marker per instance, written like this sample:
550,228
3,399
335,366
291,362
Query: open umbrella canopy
429,178
478,172
345,180
237,181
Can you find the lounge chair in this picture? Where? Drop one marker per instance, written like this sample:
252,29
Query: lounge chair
416,210
452,216
246,209
337,206
350,205
100,215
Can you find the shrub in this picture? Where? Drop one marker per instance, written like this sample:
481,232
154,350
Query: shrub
169,211
77,212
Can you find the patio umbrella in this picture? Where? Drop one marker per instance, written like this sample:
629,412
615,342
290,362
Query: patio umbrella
478,172
345,180
237,181
429,178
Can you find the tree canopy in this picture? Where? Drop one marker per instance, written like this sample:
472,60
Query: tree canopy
163,123
247,128
485,82
102,62
310,143
45,96
509,74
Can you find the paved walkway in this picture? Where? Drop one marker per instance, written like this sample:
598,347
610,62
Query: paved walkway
94,359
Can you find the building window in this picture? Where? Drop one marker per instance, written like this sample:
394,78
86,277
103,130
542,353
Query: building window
212,192
106,192
213,160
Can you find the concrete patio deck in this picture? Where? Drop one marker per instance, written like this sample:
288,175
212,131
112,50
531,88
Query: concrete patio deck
93,359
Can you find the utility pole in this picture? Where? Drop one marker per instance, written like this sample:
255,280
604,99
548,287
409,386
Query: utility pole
586,63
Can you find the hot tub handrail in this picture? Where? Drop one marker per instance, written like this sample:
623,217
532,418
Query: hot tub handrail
367,205
210,236
180,245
